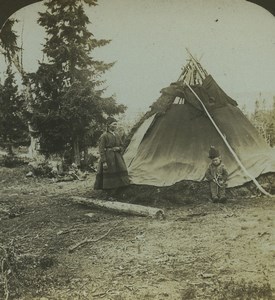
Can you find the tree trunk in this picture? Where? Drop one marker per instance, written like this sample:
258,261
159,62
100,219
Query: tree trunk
34,145
9,149
86,156
76,151
28,98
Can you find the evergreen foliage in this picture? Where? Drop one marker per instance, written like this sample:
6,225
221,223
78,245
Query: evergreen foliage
69,107
8,40
13,125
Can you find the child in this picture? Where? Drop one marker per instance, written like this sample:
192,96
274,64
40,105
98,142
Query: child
217,176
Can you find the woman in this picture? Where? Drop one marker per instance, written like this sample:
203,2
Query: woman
112,172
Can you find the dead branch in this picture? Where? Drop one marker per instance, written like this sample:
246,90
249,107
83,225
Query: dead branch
86,240
201,214
69,230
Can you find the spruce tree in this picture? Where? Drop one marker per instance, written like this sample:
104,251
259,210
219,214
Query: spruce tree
8,40
13,125
67,87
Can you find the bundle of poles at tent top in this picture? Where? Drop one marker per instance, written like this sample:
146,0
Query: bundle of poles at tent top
192,74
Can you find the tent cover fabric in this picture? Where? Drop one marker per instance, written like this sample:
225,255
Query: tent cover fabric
172,143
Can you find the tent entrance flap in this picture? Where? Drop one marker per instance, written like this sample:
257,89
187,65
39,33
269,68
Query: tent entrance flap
132,148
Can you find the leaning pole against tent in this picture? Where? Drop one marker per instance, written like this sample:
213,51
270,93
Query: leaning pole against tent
222,136
170,143
228,145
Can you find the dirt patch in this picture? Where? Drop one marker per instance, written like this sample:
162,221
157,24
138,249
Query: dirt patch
201,250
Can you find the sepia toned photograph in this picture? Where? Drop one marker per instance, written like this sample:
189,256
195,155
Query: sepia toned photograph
137,150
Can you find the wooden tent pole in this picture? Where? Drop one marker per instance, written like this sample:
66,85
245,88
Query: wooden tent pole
228,145
196,64
184,71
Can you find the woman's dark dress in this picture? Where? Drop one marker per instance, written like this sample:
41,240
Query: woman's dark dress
116,174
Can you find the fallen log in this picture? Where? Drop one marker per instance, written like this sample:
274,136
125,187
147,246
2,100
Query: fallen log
128,208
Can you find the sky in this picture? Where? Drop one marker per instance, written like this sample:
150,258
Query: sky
234,40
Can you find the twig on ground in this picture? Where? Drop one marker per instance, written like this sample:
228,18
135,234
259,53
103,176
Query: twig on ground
101,294
86,241
74,229
200,214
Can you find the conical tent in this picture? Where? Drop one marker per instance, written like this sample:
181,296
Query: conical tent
171,143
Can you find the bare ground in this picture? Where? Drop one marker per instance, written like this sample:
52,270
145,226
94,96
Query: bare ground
201,250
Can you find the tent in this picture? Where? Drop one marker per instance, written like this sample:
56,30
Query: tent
171,142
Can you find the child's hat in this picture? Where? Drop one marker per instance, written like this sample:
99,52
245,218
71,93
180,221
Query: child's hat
213,152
